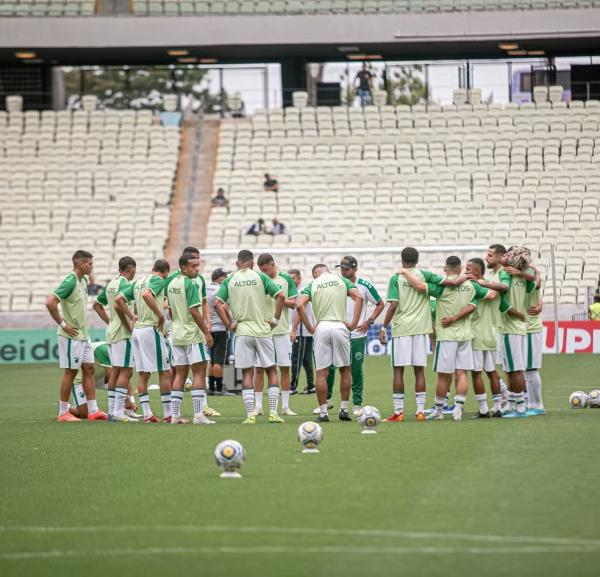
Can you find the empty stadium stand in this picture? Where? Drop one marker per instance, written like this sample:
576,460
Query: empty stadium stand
48,7
88,179
229,7
391,176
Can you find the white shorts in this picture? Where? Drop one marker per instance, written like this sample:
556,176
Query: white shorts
121,354
410,351
514,351
451,356
484,361
535,346
283,350
189,354
499,349
79,397
150,351
72,353
331,345
253,352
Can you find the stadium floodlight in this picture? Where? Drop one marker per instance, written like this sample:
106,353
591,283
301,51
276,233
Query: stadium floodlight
508,46
178,52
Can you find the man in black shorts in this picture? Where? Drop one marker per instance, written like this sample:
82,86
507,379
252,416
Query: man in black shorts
218,352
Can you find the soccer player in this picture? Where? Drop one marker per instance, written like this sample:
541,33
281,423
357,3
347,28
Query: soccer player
535,345
513,331
220,335
245,291
102,360
74,348
358,339
193,253
120,321
328,294
281,334
191,335
148,337
485,341
302,342
453,352
410,313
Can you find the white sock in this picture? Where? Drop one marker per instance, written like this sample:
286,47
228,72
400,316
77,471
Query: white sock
199,401
459,400
534,383
510,405
145,402
63,407
248,397
285,400
482,400
92,406
503,387
120,396
132,399
323,410
520,402
258,400
497,402
273,398
176,398
439,403
398,403
165,399
111,402
421,399
344,405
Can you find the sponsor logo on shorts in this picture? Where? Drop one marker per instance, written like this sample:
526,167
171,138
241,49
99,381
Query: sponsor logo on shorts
358,356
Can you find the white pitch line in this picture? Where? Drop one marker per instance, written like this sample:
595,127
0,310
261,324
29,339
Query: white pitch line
291,550
373,533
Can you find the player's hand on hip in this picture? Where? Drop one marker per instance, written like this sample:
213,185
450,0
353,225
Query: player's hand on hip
232,326
160,325
363,327
447,321
350,326
70,330
209,340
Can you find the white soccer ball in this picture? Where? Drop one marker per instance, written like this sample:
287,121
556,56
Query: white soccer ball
369,418
310,434
229,455
578,400
593,399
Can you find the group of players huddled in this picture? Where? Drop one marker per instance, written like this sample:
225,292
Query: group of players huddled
161,323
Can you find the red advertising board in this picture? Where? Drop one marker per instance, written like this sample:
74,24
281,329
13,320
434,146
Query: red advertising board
573,337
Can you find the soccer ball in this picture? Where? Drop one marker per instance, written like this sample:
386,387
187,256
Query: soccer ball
578,400
188,385
229,456
369,419
594,399
310,434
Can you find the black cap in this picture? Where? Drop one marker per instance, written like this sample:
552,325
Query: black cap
218,273
347,262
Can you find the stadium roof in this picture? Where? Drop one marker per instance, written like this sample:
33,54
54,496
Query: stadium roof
130,40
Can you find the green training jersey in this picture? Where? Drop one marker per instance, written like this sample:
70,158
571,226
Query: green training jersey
199,281
183,295
485,322
286,283
146,316
116,330
518,288
72,294
534,323
450,301
328,295
245,291
413,314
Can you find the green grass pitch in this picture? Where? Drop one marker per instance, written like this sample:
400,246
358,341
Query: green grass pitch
498,497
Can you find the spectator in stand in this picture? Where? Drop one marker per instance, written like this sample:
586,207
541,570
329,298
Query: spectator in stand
364,80
278,228
219,199
270,184
93,287
257,228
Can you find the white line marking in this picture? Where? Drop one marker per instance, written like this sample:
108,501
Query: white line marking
484,538
293,550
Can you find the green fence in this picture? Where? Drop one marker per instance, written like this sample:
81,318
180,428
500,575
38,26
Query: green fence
34,346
